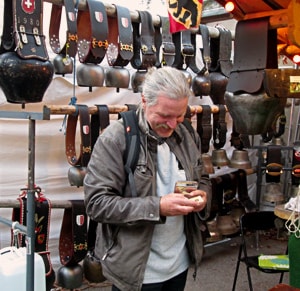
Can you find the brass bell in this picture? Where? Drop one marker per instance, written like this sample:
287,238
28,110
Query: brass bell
207,163
240,160
273,193
137,80
63,65
201,85
117,77
90,75
219,158
226,225
76,175
188,76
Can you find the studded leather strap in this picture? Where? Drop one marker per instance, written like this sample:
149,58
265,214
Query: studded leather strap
83,157
70,47
92,33
120,38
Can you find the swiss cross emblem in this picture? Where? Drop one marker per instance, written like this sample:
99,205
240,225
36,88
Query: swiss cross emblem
124,22
28,6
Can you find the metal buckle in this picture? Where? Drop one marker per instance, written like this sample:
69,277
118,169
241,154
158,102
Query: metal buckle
275,169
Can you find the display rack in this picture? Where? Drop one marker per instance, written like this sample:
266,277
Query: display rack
30,229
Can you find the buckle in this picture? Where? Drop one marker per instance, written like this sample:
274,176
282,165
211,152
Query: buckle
296,171
168,48
274,169
187,50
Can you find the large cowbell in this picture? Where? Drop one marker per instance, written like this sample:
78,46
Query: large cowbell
246,97
25,69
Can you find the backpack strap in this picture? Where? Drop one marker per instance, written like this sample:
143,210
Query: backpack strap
131,154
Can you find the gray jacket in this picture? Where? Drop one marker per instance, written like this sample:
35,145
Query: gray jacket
126,224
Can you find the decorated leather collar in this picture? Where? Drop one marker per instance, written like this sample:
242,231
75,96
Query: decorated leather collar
92,33
70,46
120,48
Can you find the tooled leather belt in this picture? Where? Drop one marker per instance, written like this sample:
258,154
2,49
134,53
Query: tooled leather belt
24,21
73,235
143,42
204,128
120,47
70,46
92,33
83,157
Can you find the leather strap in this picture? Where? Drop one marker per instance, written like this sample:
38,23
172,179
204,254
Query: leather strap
42,226
85,146
99,122
120,47
219,127
143,42
92,33
168,47
296,165
7,41
70,46
28,29
184,49
220,52
204,128
252,36
274,166
73,235
203,29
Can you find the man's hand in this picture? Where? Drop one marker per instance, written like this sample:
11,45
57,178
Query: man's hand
178,204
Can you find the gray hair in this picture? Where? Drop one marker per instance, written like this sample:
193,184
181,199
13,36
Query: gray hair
166,80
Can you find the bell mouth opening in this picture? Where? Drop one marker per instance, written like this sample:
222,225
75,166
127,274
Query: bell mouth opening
254,113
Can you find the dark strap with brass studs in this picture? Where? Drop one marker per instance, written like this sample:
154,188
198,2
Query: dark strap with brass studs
120,47
70,46
219,127
143,42
92,33
73,235
28,28
83,157
168,47
204,128
273,164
